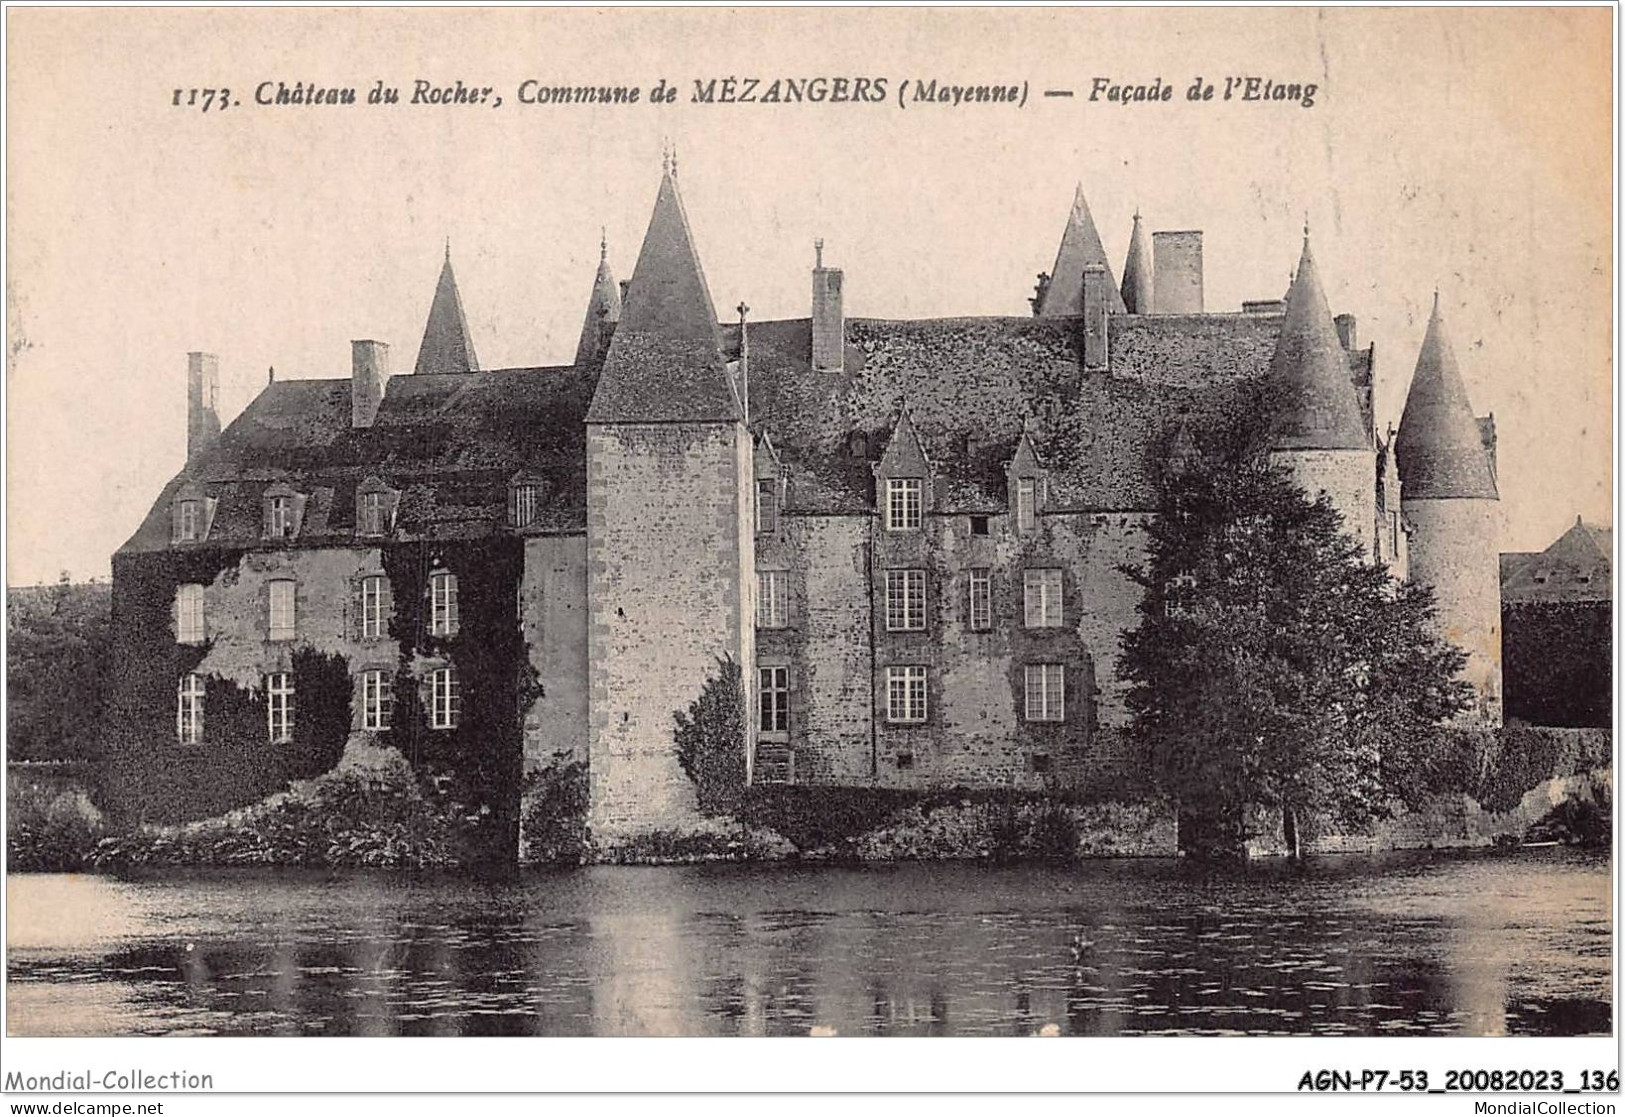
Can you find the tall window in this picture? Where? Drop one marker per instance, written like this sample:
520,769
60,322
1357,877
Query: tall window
767,506
191,521
279,517
1042,594
377,700
775,699
981,599
442,604
189,710
373,594
279,706
373,513
282,597
1046,692
444,704
189,628
905,600
524,504
1026,500
772,591
905,694
903,500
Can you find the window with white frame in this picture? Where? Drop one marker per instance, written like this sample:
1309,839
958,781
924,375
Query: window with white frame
374,593
767,506
904,496
279,517
1046,692
190,525
279,706
189,627
1026,503
774,695
281,611
444,702
442,604
905,694
981,599
524,503
1042,597
374,513
377,700
189,710
772,598
905,600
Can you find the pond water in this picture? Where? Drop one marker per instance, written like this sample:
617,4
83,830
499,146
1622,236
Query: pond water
1476,944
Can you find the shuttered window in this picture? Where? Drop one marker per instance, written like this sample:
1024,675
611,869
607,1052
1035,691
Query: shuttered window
189,626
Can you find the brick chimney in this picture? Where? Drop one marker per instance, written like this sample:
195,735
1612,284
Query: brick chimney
1176,266
1096,300
1347,332
828,323
369,369
202,402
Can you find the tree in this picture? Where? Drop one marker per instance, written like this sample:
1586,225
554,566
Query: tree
59,643
711,738
1273,667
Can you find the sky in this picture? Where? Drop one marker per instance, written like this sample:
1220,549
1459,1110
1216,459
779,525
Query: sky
1467,150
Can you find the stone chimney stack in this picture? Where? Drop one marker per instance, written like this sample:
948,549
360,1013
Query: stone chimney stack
1096,300
1176,266
202,402
369,370
828,322
1347,331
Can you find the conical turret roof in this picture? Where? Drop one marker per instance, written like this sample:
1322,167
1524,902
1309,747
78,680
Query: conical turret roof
1439,450
603,308
665,362
1314,404
447,345
1137,289
1080,247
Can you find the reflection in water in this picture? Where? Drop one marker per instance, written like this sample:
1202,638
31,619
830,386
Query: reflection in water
1482,944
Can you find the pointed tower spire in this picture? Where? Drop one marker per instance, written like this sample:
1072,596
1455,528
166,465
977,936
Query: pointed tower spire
603,310
447,345
1137,288
1080,248
1316,406
665,362
1439,449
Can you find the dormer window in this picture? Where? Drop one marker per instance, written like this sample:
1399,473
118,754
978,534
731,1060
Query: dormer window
524,504
284,509
903,503
279,514
190,516
767,506
375,504
1026,503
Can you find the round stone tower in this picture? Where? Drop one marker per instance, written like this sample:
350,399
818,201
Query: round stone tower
1449,498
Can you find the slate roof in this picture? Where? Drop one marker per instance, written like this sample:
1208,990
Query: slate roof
1314,403
1440,443
1138,289
665,362
450,444
603,311
1080,248
1578,566
968,383
447,345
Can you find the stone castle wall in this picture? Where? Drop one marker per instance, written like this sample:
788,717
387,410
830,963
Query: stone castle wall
553,621
1347,477
670,589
